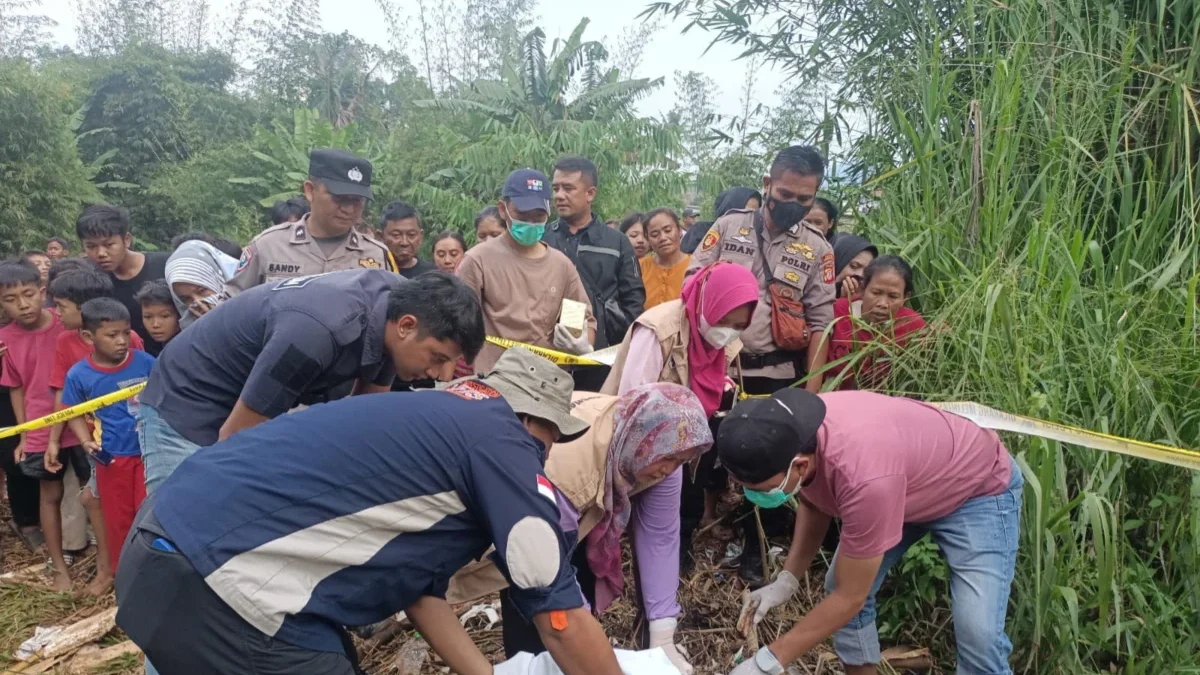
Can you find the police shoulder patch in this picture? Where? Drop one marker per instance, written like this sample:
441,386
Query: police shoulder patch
827,273
710,240
247,256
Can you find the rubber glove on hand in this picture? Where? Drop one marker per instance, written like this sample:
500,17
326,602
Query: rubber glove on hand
564,341
662,634
762,662
767,598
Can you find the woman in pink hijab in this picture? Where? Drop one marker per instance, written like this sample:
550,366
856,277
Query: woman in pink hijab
692,340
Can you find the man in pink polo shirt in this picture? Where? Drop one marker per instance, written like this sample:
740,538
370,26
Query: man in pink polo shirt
893,470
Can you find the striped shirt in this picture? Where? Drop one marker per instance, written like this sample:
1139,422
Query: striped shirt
347,512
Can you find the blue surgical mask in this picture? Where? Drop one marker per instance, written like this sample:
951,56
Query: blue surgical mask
776,497
526,234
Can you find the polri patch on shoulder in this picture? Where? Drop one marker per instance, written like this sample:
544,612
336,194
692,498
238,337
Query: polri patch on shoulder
710,240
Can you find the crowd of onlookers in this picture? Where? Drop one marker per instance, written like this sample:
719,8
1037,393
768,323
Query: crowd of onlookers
78,327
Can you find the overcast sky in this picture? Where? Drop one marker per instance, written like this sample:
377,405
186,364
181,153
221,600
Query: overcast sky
667,51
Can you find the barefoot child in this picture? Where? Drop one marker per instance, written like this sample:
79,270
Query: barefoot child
31,339
114,364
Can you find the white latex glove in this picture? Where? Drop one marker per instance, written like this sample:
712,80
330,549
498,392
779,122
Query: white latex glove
564,341
767,598
662,634
762,662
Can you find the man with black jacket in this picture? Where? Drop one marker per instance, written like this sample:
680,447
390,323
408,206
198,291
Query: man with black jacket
604,257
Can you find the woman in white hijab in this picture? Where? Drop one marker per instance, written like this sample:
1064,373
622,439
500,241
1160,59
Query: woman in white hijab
196,275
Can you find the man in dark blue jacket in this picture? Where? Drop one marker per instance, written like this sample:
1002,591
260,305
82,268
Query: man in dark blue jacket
604,257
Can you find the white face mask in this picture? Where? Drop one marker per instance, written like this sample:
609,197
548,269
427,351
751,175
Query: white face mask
717,337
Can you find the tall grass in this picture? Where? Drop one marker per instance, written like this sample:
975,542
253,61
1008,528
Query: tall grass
1039,166
1056,235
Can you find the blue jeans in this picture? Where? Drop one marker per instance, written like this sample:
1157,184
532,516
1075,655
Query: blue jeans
163,448
979,540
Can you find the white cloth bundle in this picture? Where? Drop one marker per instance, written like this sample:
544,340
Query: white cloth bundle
646,662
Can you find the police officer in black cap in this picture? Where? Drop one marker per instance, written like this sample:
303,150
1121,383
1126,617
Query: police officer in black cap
324,240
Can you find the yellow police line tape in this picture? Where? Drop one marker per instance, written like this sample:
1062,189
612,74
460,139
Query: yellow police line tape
603,357
990,418
986,417
74,411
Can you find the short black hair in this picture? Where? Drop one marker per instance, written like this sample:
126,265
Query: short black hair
30,253
228,247
451,235
492,211
284,210
102,220
60,241
155,293
578,164
65,265
631,220
98,310
191,236
398,210
893,263
805,160
222,244
445,307
19,272
80,286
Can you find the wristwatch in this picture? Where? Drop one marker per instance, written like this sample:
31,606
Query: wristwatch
766,662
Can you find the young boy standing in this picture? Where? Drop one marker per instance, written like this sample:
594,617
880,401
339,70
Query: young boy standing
31,340
113,365
159,314
106,237
70,291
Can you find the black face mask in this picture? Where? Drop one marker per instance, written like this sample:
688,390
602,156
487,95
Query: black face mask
785,215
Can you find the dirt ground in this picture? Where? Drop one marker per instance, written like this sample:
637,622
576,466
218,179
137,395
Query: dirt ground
710,597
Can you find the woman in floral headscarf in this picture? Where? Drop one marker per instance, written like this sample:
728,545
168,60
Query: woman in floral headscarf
611,476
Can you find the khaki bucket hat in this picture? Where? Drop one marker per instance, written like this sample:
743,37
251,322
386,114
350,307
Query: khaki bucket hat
534,386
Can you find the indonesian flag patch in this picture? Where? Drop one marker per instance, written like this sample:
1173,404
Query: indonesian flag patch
546,489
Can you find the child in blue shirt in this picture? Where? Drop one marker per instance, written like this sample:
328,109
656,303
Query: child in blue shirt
113,365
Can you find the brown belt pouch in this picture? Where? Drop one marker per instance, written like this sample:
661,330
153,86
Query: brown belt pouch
789,327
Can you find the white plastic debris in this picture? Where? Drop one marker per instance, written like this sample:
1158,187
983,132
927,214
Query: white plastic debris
488,611
646,662
42,635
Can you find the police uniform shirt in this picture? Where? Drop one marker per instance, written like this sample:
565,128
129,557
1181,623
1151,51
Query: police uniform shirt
288,250
800,257
346,513
274,346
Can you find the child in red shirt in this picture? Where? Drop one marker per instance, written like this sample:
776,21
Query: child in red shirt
879,315
70,290
30,340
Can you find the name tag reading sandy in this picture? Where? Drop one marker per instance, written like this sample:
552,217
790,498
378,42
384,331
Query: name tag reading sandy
574,316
